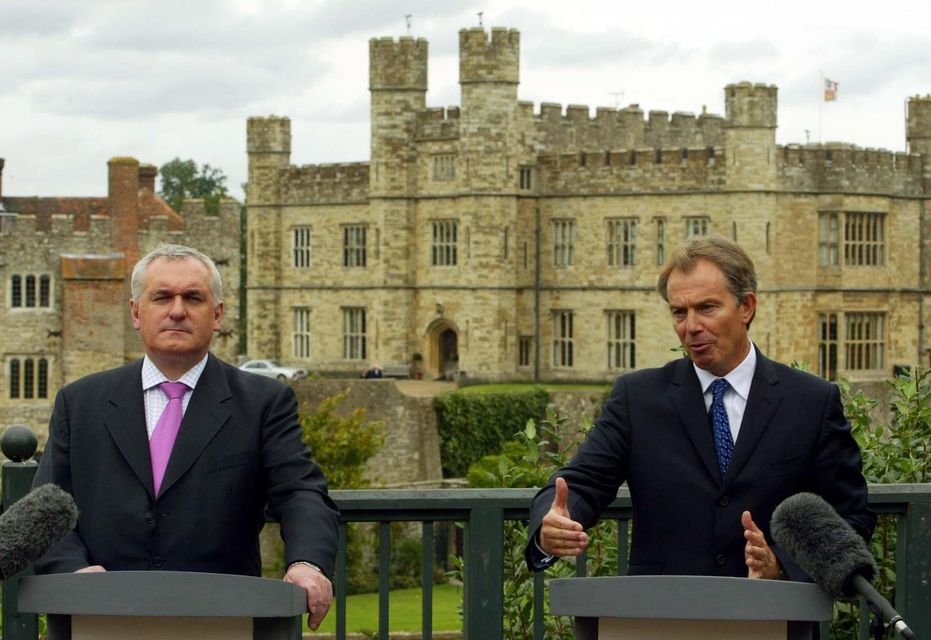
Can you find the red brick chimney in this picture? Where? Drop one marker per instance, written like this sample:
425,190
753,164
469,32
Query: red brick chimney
123,196
147,173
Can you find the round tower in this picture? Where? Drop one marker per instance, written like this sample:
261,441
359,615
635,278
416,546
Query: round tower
398,84
750,135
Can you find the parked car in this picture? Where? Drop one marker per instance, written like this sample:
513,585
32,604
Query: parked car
273,369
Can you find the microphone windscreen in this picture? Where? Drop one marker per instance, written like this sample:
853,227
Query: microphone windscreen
32,525
823,544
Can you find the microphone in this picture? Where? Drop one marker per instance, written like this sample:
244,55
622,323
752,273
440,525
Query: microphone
32,525
828,549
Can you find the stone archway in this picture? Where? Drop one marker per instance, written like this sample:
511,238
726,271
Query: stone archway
442,357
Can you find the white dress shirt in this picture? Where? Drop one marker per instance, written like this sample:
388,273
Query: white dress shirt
735,398
155,399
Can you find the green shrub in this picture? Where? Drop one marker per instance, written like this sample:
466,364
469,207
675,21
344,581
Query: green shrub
475,425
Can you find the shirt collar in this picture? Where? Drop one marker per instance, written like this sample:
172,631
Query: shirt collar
152,376
740,377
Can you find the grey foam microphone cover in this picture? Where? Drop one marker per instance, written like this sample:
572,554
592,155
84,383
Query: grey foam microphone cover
822,543
32,525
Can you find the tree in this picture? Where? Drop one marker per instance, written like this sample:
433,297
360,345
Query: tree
182,179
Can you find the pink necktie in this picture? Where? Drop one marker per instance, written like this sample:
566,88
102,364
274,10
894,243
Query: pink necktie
163,438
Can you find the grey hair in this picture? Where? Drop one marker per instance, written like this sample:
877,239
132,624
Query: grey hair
176,252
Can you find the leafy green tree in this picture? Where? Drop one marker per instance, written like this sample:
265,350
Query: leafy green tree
182,179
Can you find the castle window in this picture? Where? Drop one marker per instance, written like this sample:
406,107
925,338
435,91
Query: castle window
622,242
864,341
621,340
300,247
658,159
28,378
583,159
524,350
563,243
563,338
354,333
827,346
506,239
828,239
300,336
30,291
525,177
864,239
444,166
444,250
660,242
696,227
354,245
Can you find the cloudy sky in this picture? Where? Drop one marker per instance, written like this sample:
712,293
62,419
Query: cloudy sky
86,81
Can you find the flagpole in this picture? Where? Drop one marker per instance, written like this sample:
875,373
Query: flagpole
820,105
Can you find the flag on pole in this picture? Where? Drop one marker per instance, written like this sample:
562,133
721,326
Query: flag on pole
830,90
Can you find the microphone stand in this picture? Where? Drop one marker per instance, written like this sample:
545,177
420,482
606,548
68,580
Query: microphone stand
881,609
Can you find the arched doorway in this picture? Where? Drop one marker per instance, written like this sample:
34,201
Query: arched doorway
442,357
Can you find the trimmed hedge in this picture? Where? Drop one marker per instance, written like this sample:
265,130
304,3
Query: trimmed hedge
473,425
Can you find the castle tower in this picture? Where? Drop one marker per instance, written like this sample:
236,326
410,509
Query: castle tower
750,135
268,143
398,86
918,133
489,72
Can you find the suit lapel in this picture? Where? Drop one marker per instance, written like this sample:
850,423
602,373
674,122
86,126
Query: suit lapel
126,423
765,397
686,396
204,417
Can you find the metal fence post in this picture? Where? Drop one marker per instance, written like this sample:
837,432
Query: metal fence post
18,443
917,605
483,591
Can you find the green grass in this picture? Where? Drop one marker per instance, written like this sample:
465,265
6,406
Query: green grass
403,611
521,386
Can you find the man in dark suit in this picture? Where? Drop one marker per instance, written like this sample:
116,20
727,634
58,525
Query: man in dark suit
709,445
237,450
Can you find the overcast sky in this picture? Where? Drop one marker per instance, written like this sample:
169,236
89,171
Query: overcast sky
81,82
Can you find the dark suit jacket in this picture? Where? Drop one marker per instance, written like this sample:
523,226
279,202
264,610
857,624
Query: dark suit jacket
238,450
654,433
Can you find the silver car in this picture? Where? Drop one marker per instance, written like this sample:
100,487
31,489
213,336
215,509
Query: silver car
273,369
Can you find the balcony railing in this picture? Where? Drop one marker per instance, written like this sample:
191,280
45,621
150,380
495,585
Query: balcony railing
483,513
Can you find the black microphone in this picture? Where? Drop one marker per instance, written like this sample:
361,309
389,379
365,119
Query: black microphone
828,549
32,525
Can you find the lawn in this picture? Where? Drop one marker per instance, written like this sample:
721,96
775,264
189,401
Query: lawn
404,611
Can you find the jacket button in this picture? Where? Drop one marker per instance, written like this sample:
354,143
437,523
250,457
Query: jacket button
724,501
720,559
149,519
156,561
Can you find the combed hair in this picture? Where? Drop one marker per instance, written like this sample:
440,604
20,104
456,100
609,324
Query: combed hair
728,256
176,252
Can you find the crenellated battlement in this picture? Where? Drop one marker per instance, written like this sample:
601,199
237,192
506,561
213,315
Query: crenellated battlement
325,183
632,170
844,167
751,105
398,64
270,134
485,57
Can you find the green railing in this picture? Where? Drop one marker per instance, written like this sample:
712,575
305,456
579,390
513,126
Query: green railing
483,513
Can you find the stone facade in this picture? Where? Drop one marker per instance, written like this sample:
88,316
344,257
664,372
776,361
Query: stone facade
64,276
507,242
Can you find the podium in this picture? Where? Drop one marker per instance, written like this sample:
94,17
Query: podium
157,605
689,608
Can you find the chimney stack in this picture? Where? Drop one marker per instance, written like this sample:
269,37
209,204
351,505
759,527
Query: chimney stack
147,173
123,197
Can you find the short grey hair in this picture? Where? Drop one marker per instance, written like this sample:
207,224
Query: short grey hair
176,252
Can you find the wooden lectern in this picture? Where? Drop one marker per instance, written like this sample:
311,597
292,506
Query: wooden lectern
164,605
689,608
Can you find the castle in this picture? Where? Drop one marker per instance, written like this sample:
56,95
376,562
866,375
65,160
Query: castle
510,243
64,268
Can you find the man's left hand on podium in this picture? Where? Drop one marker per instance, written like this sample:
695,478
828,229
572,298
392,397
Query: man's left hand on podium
318,587
761,561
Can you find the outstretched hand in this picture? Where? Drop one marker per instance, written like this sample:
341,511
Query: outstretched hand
560,535
761,561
